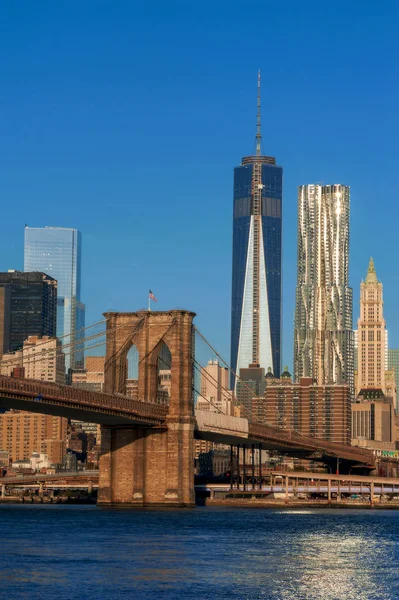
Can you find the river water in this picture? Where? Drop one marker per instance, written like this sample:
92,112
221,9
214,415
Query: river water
88,553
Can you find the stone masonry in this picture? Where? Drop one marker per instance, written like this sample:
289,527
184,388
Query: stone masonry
140,465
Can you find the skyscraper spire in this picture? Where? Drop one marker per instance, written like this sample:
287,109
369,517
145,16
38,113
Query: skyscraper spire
371,274
258,131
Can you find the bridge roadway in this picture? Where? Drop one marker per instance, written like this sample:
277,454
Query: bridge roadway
298,482
305,482
115,410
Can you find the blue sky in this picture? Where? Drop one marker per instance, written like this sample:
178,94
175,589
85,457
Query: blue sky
125,120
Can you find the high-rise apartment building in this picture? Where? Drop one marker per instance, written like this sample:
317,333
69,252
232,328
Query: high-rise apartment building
320,411
372,337
23,433
28,307
256,278
57,252
323,338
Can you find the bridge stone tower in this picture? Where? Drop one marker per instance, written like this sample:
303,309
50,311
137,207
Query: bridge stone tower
147,466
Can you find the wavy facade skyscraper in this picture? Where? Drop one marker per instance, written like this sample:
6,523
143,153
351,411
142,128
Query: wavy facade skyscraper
256,280
323,338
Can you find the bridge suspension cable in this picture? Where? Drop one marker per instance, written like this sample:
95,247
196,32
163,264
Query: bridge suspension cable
225,363
66,349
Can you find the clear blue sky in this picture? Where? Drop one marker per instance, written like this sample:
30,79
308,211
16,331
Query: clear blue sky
125,120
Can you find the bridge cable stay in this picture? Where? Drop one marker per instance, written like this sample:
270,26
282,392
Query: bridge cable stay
207,399
305,409
228,392
204,373
201,371
220,357
45,351
37,357
194,389
69,346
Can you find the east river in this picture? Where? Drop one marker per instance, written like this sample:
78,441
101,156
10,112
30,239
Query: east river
88,553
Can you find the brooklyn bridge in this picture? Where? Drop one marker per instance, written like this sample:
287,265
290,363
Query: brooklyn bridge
147,448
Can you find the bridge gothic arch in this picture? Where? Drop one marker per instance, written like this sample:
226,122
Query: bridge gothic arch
141,465
150,332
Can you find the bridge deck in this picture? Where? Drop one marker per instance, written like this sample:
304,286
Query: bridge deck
67,401
111,409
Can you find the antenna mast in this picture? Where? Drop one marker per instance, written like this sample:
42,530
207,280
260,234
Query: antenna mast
258,130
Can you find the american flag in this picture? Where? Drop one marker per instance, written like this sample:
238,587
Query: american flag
151,295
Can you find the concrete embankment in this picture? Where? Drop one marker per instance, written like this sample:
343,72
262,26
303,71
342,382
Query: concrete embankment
302,504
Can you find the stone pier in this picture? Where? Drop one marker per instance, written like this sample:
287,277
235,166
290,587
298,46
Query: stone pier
147,466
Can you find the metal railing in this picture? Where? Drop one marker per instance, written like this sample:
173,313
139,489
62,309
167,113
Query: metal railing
42,391
292,438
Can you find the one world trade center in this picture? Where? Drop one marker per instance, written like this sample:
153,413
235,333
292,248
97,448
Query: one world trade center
256,282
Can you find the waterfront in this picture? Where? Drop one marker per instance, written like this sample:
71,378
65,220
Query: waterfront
65,551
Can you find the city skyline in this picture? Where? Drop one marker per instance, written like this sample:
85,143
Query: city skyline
128,467
100,180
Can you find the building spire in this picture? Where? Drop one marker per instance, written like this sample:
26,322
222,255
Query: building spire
258,130
371,276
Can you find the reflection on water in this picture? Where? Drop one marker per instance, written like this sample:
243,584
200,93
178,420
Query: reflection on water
236,554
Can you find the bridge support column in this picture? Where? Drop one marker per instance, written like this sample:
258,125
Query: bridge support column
148,467
329,491
3,491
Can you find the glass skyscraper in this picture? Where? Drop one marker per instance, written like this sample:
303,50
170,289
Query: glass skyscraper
28,307
256,281
56,251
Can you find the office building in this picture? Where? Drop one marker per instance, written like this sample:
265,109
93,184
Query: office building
215,395
320,411
215,462
57,252
393,366
372,339
373,420
250,384
28,307
92,376
256,276
40,358
323,337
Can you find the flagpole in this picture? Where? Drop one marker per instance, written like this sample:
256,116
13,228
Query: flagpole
149,302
